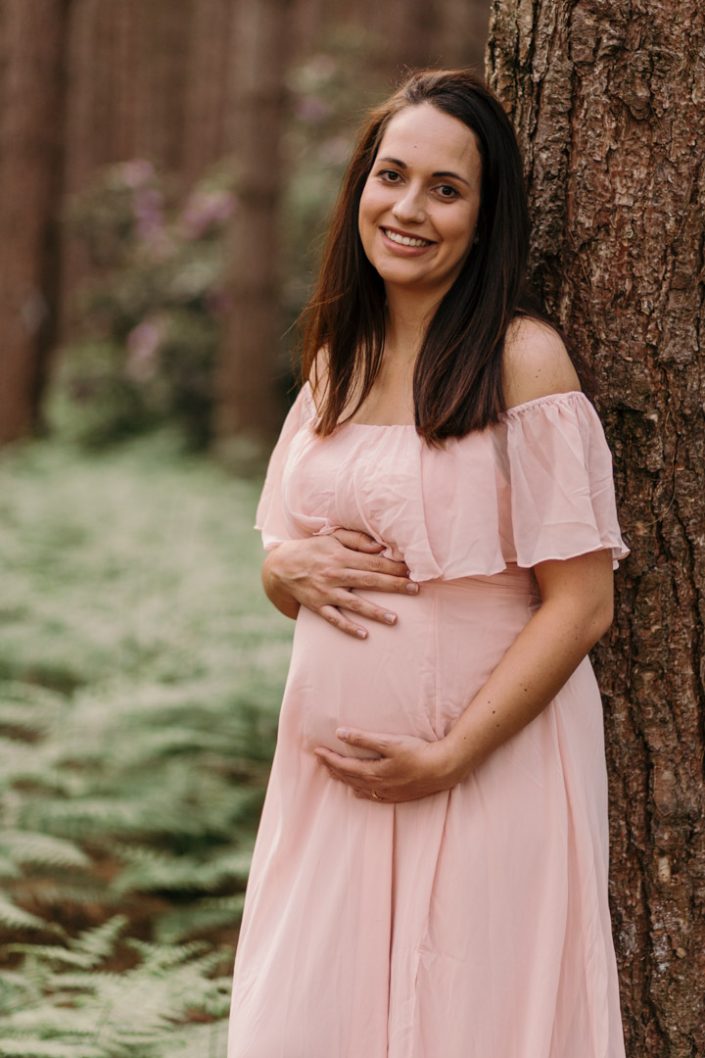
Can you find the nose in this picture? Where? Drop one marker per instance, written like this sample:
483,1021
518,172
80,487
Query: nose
409,207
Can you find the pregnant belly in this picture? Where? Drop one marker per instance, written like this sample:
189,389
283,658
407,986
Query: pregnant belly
413,678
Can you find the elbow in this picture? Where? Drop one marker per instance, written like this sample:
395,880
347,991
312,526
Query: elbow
601,620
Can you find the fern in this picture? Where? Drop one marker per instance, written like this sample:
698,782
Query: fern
139,681
27,847
151,870
14,917
69,1001
36,1047
203,916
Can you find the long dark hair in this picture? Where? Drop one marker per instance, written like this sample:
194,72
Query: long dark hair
458,371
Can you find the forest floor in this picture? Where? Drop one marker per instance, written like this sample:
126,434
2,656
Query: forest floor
140,675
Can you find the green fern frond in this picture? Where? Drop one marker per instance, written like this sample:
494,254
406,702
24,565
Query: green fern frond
50,954
156,958
195,1041
174,927
151,870
98,944
86,951
14,917
28,847
8,867
36,1047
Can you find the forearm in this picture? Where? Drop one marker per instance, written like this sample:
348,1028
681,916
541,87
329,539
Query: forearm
532,671
276,593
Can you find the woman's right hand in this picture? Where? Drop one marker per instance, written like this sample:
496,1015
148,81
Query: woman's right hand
325,573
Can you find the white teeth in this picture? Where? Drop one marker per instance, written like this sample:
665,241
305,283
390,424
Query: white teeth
405,240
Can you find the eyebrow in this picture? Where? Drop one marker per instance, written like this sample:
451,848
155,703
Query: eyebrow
445,173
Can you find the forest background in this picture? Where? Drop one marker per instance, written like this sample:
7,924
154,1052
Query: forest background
166,169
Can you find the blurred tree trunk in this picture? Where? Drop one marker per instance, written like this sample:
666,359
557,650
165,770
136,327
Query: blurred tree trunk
33,35
609,104
248,410
129,82
206,104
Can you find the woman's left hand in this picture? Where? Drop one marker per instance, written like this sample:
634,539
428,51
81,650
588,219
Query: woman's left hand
407,767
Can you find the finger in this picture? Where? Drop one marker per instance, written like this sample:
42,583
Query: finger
377,564
362,607
347,780
381,744
349,767
358,541
365,792
334,617
362,580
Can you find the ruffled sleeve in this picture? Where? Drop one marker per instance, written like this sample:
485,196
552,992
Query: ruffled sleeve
271,517
560,481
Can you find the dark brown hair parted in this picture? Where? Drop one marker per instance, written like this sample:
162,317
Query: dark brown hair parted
458,372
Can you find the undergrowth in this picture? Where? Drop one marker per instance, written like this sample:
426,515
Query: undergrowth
140,674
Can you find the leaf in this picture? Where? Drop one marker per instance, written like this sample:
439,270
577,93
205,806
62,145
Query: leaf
35,1047
16,918
26,846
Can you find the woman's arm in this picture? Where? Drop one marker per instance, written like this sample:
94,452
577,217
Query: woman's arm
324,573
575,612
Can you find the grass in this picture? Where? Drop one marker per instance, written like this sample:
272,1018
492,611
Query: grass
140,675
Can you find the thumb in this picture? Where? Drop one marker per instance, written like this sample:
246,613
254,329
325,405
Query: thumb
358,541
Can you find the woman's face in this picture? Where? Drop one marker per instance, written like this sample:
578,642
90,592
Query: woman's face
420,203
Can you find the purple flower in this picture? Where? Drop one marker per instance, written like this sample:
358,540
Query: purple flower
205,210
137,172
312,109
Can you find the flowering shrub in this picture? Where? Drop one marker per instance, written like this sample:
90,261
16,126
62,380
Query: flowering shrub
150,315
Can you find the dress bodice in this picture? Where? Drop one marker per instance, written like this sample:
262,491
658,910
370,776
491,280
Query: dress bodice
536,485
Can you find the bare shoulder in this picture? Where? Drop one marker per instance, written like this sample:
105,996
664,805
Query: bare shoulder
536,362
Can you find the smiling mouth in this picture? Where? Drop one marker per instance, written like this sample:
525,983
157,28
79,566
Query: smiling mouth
405,240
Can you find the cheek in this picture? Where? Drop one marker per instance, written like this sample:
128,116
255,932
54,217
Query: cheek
374,200
460,229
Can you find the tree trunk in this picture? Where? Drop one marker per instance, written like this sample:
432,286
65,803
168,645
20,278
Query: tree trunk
609,104
207,74
248,412
33,35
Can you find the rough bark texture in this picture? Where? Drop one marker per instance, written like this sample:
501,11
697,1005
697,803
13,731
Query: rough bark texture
30,152
609,102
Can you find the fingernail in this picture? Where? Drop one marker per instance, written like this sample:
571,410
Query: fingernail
361,633
342,732
412,589
390,618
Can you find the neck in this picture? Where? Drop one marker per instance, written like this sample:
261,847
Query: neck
408,314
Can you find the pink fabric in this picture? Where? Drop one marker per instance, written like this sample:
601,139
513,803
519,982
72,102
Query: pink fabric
474,923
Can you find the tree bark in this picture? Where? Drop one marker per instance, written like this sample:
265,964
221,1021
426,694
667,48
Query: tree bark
608,100
33,35
247,406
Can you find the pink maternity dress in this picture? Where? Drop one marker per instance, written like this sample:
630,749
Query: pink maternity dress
473,923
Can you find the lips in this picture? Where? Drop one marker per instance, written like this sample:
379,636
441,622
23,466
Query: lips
402,238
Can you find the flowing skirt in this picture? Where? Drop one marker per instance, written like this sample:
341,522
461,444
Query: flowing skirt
470,924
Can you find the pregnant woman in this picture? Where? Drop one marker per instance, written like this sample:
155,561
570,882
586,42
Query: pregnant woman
430,873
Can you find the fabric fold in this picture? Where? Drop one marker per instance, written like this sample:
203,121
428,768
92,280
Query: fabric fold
560,480
271,517
535,486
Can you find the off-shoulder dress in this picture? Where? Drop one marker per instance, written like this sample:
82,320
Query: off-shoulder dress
473,923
